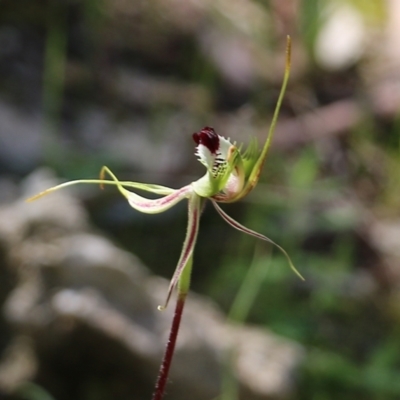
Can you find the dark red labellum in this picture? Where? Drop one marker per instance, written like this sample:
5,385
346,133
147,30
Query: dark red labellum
207,137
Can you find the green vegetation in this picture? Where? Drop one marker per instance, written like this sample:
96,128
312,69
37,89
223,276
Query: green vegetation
331,179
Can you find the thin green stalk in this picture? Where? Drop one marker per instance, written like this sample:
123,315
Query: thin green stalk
238,313
249,289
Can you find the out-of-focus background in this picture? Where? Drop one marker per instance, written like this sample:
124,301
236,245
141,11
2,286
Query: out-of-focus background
124,83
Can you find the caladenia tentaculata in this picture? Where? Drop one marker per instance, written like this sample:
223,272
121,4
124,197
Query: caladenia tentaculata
230,175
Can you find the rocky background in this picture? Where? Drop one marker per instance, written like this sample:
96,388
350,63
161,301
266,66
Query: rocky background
124,83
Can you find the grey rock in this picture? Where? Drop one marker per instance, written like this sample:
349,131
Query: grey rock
89,310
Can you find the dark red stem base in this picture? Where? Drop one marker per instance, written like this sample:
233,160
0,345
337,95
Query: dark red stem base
169,351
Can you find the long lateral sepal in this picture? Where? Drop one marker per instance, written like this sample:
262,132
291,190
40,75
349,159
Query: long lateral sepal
147,187
151,206
257,235
194,210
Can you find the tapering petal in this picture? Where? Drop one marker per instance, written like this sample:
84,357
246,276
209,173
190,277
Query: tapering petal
194,210
157,189
243,229
254,166
155,206
151,206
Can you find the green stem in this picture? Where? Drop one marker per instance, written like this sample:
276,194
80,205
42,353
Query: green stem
184,279
238,313
248,290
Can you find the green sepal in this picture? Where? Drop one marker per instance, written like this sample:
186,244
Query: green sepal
250,157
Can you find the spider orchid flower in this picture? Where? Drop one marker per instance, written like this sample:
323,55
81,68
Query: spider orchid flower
230,175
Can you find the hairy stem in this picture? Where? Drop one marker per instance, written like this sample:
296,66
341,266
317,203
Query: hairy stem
169,351
183,289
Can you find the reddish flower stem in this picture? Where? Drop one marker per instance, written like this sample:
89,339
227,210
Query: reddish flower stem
169,350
